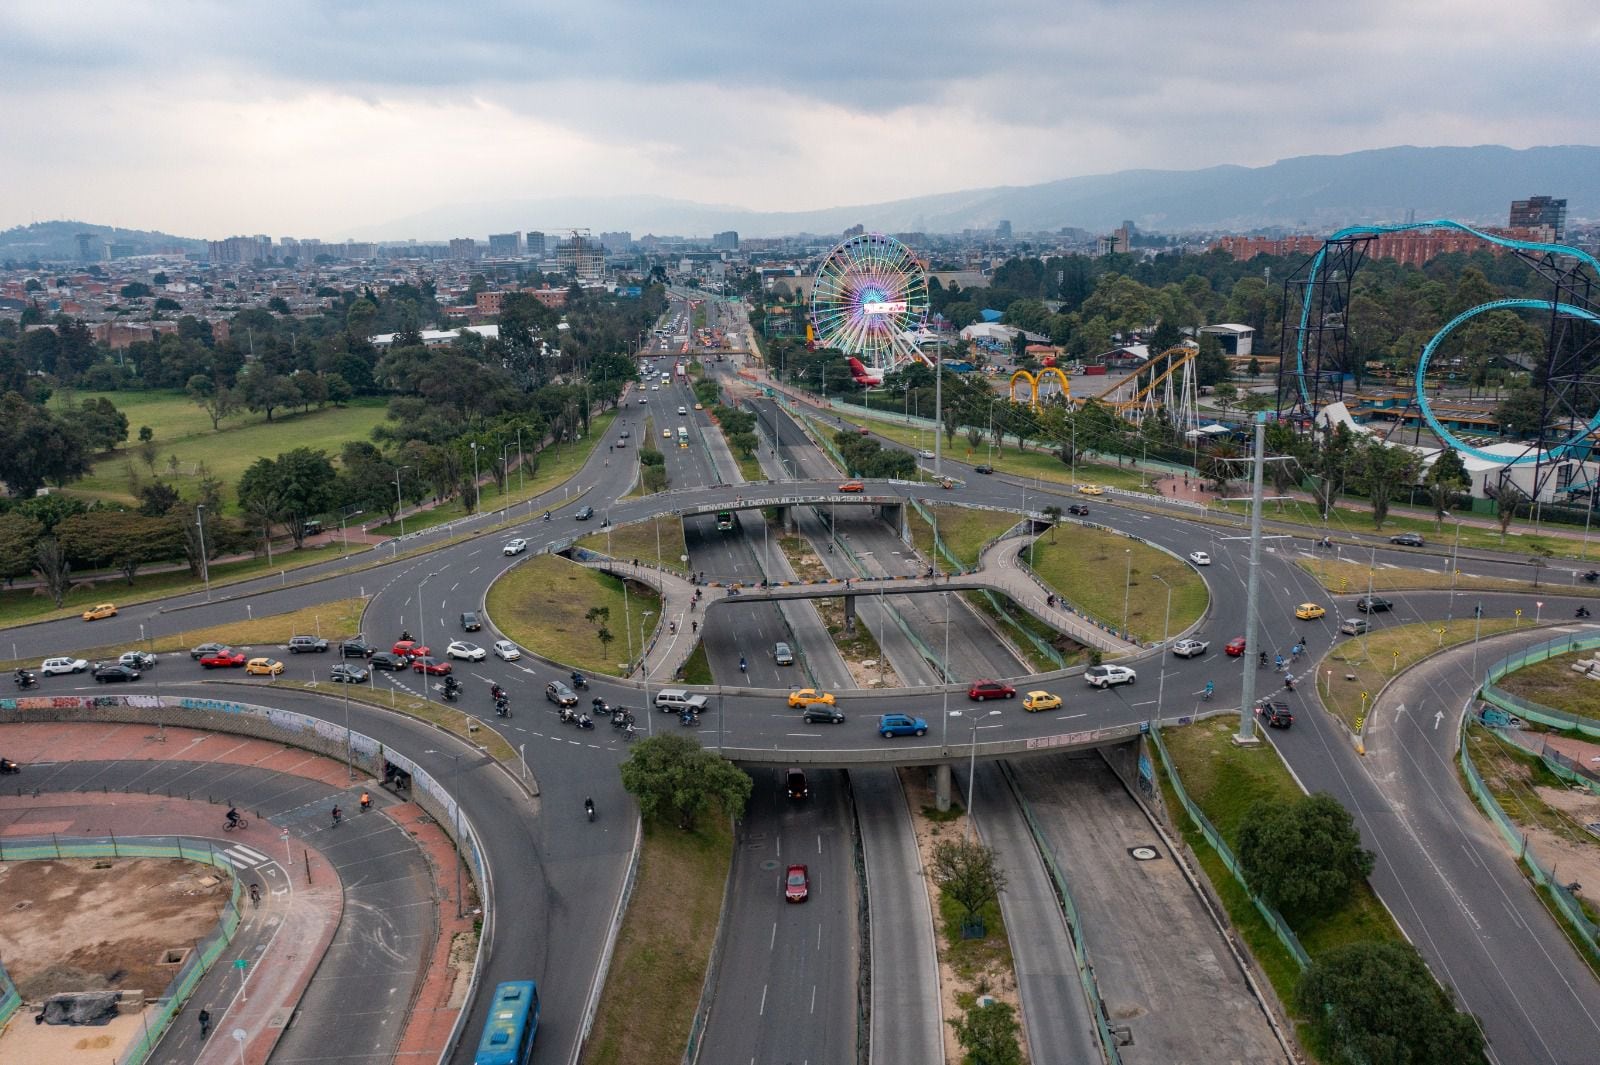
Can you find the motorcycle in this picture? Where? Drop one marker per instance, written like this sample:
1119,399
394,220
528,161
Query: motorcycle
447,691
503,709
579,681
1592,576
1583,612
8,766
588,808
24,679
600,707
621,719
584,721
688,717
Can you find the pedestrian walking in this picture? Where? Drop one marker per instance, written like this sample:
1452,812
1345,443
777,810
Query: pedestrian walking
205,1022
255,894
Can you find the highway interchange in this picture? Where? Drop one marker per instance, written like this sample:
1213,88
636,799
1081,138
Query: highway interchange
786,985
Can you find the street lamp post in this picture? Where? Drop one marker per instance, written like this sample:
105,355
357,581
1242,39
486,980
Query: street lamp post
205,563
422,626
644,668
477,489
1127,589
344,539
399,504
1166,634
972,767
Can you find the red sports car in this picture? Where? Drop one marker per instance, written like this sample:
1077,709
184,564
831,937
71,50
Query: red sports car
224,659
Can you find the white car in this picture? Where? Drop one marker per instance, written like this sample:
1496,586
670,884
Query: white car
506,651
516,547
1190,648
925,453
471,652
1109,676
51,666
1199,558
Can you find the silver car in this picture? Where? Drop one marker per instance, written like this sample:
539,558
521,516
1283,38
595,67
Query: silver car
506,651
1190,648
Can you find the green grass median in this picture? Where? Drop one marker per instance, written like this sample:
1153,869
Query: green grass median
543,604
1106,575
1552,683
1352,673
657,542
964,531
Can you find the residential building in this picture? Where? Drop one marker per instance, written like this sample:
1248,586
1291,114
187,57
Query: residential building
1540,211
535,244
505,245
726,241
616,242
463,248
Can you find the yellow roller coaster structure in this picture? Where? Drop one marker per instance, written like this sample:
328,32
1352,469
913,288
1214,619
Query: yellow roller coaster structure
1167,380
1050,383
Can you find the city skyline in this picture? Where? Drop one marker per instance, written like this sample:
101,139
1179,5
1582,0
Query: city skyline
212,120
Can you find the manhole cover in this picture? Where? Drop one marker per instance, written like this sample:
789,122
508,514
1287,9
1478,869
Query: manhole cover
769,865
1144,854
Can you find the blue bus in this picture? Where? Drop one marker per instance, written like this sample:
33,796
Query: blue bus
513,1022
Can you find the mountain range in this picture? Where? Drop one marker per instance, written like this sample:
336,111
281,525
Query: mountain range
1315,193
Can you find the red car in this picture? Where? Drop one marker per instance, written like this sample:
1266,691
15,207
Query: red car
1235,647
434,666
852,486
797,885
990,689
225,659
409,648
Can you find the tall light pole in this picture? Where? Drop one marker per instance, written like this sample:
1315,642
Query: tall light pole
1166,633
505,493
520,483
1127,589
422,625
972,767
1450,608
344,540
938,409
477,490
399,504
205,563
644,668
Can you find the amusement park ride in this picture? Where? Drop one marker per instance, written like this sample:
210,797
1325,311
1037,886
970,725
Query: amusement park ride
1560,450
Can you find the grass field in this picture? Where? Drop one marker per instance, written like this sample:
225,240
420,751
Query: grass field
22,605
182,429
1552,683
541,604
640,541
1372,659
556,466
664,946
963,530
1082,565
1224,780
1072,652
1347,577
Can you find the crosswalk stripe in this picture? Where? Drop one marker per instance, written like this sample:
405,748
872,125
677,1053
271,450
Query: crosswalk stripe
244,856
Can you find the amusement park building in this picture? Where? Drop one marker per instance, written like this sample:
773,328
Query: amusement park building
1412,248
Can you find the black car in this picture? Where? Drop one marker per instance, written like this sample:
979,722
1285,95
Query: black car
389,660
983,468
584,513
1080,509
356,649
469,621
115,672
347,674
1276,715
821,714
1372,604
1408,539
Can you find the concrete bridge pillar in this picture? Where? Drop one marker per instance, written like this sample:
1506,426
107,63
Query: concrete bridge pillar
850,613
782,514
941,787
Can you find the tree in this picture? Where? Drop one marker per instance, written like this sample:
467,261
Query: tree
295,487
19,537
966,871
279,305
1380,471
1446,477
1330,465
218,401
1507,498
101,424
52,569
1302,856
988,1033
266,392
124,539
157,498
672,775
37,448
746,444
1053,514
149,451
1377,1002
1538,560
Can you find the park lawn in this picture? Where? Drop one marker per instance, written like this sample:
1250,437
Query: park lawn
1552,683
1224,780
964,530
1347,519
183,430
646,443
664,946
640,540
541,604
750,467
1349,577
21,605
1017,621
1044,465
557,465
1374,658
1081,565
332,621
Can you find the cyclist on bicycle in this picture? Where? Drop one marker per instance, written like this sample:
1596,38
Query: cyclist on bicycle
1210,687
338,815
233,817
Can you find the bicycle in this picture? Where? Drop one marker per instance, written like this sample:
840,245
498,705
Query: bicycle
255,896
239,823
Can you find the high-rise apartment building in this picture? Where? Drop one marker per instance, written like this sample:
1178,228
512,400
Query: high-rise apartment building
726,241
1540,211
505,245
535,244
617,242
463,248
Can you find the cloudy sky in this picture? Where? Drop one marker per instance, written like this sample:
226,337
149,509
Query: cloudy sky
333,119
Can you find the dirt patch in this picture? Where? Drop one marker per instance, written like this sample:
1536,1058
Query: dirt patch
999,980
103,924
1574,855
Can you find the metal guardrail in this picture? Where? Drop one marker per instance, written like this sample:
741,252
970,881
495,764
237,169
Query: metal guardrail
1275,921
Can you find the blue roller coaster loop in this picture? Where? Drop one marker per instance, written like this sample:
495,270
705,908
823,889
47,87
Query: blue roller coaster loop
1422,399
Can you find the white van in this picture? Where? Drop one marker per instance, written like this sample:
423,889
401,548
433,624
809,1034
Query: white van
676,700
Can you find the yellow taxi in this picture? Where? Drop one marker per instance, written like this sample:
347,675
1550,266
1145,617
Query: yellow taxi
1034,702
666,434
1091,490
263,667
103,610
801,698
1308,611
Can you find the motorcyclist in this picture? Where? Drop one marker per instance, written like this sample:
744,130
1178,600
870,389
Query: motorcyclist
1583,612
405,635
577,679
547,515
338,815
497,692
743,665
1262,659
366,801
588,807
233,817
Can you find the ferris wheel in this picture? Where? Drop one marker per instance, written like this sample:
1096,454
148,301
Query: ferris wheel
870,294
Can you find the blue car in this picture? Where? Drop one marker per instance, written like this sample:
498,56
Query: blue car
901,725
